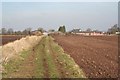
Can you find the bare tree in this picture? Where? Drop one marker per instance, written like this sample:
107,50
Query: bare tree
4,31
51,30
88,30
113,29
40,29
27,31
10,31
18,33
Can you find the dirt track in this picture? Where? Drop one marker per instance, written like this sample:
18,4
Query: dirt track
45,60
96,55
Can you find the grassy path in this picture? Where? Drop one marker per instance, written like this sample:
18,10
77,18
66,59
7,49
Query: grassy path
27,67
46,67
20,67
46,60
62,71
69,69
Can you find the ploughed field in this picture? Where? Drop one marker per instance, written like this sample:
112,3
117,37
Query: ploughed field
96,55
9,38
44,60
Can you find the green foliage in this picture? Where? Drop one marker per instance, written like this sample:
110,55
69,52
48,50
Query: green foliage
62,29
13,64
50,60
39,70
44,56
69,65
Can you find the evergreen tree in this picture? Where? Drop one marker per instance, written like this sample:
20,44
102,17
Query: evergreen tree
62,29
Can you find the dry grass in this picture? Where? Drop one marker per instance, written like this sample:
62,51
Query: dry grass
14,48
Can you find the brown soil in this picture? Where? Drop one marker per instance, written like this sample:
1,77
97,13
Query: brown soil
9,38
96,55
46,73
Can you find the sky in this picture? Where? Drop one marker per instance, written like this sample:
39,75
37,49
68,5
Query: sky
59,0
50,15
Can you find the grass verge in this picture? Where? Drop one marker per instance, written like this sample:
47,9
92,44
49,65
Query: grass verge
72,69
39,71
13,64
44,57
50,60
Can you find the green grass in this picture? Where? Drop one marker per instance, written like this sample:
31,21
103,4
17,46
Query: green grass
39,71
68,62
13,64
43,51
50,60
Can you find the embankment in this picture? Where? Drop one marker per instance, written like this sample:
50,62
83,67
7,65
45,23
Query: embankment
14,48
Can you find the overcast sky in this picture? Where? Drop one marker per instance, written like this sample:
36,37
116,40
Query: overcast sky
50,15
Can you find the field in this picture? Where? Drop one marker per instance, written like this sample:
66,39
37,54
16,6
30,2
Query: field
9,38
45,60
96,55
64,56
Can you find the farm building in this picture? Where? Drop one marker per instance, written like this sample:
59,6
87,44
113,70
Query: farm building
118,33
89,33
57,33
76,30
36,32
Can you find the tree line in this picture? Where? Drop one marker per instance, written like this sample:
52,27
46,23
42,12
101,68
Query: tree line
114,29
28,31
10,31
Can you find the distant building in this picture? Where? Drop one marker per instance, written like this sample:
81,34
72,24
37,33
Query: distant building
89,33
76,31
57,33
36,32
45,33
118,33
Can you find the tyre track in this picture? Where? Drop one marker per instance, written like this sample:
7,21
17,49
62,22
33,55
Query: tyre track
42,60
45,64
